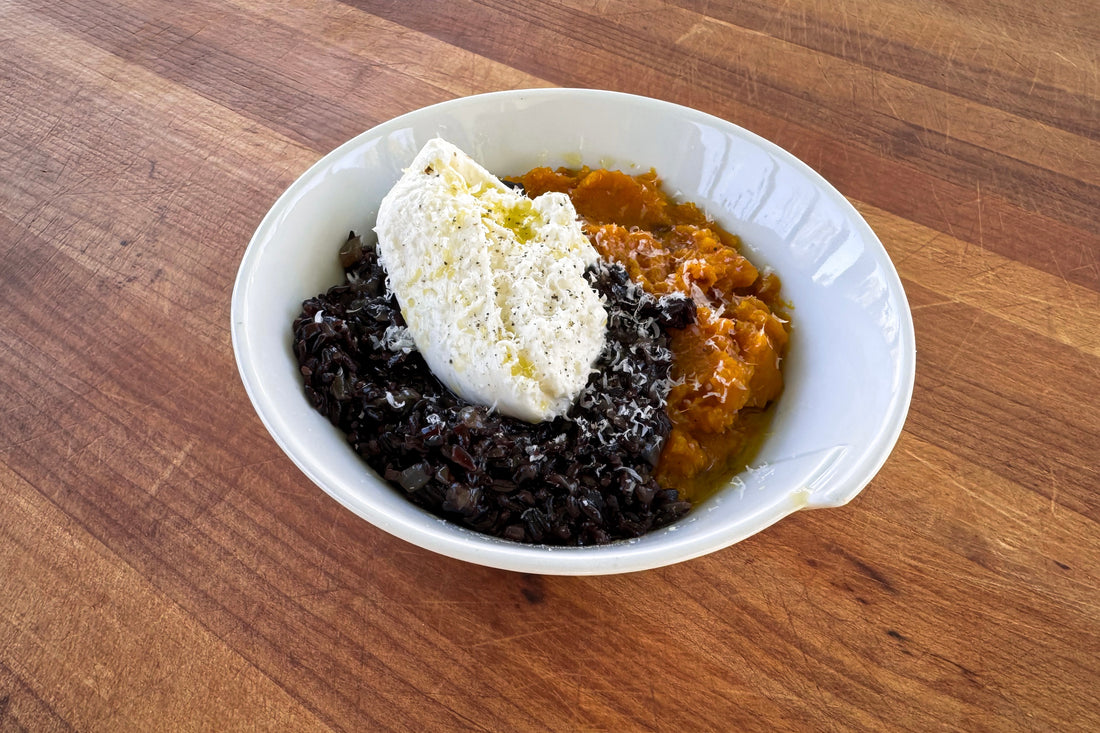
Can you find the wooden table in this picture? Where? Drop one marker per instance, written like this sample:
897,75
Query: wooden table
163,566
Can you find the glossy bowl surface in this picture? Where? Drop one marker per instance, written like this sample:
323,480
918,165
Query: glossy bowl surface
849,372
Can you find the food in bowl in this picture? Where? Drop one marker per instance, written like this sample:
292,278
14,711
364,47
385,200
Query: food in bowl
690,339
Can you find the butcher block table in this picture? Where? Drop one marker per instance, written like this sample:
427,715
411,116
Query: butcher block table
163,566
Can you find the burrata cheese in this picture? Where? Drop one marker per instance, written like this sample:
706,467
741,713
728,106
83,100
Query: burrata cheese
491,284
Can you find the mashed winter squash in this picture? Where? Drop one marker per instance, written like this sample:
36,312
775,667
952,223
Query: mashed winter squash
727,364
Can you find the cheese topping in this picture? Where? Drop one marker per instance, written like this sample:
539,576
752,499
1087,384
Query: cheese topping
491,284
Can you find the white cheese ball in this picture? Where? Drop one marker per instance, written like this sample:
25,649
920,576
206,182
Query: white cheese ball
491,284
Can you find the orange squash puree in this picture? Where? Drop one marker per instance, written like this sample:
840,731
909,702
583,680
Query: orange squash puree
726,366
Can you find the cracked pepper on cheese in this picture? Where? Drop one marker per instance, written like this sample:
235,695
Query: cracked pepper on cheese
491,284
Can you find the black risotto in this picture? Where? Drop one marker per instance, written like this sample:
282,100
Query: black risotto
581,479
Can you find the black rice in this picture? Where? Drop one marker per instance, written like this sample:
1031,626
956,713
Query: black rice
581,479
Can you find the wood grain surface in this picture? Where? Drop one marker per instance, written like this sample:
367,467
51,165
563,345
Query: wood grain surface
163,566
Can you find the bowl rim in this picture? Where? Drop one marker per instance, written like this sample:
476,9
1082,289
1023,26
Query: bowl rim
617,557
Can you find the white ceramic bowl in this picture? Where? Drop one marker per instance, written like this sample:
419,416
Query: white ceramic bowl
849,373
